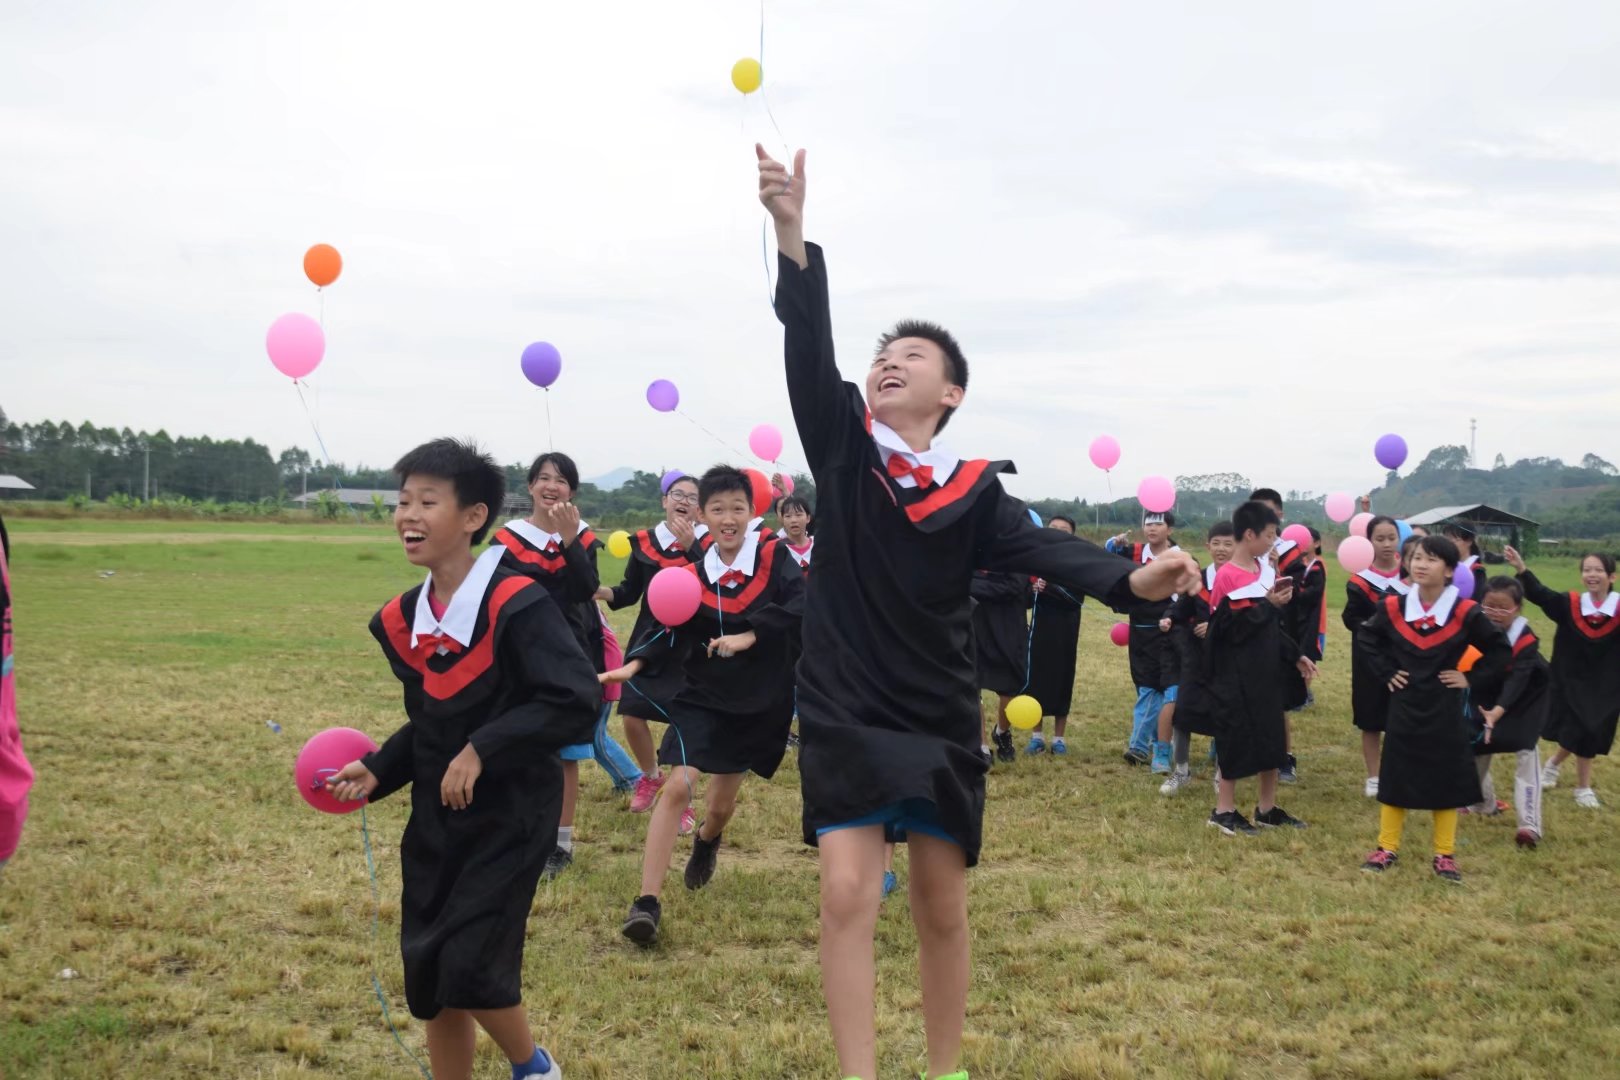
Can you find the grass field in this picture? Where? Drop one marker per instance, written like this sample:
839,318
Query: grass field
218,927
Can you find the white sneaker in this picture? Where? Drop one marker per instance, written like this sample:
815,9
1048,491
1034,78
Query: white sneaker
553,1073
1549,775
1370,788
1585,796
1178,779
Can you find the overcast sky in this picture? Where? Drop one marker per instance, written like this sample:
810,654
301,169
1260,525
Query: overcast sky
1246,237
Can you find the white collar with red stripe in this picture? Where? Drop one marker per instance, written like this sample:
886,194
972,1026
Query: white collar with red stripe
461,614
1148,555
800,557
743,563
666,537
1608,607
1516,631
539,537
1441,611
1387,584
936,457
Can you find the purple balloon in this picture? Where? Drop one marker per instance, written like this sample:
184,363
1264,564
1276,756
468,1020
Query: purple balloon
542,363
663,396
1390,451
1464,580
669,478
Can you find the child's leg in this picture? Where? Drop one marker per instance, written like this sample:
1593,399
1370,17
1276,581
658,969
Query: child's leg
452,1040
666,819
851,891
1559,758
1583,771
1527,790
939,912
1002,723
1181,749
509,1028
720,802
611,756
570,794
1225,795
639,736
1371,751
1148,704
1391,823
1060,725
1167,715
1487,786
1268,790
1445,832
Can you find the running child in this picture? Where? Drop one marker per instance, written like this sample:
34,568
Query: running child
495,684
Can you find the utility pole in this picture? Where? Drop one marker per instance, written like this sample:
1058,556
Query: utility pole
1473,443
146,473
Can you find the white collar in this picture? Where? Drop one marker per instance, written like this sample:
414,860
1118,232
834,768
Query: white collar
1441,610
1148,556
537,536
1608,607
1470,561
800,557
743,562
461,614
755,523
1283,547
1387,584
1516,631
699,531
936,457
1257,588
666,536
1209,575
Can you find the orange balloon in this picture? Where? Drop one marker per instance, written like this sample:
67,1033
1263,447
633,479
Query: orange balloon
323,264
1469,659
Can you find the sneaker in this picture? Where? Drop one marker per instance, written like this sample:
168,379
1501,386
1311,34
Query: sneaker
1484,811
1370,788
1059,747
1445,868
558,861
1178,779
1036,745
1005,751
1277,818
1379,861
1133,756
986,757
1161,758
1289,773
793,741
1231,823
1310,699
700,867
646,792
1527,838
540,1067
641,925
688,822
889,883
1549,775
1585,796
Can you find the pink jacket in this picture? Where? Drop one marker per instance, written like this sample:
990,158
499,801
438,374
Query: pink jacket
16,775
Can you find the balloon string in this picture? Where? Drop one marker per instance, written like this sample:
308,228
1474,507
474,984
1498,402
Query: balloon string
298,385
320,294
763,93
713,436
376,917
765,257
551,443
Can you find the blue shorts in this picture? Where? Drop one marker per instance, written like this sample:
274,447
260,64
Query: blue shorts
583,752
898,819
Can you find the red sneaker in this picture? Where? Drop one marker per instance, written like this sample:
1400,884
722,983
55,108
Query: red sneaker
1527,838
1379,861
1445,867
646,792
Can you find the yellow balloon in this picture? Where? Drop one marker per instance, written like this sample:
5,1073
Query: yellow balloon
746,75
1024,712
619,544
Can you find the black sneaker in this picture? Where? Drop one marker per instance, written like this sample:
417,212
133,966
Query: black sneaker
641,925
558,861
1231,823
700,867
1289,774
1004,745
1133,756
1277,818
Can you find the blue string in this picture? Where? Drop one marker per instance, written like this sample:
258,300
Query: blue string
1029,645
376,916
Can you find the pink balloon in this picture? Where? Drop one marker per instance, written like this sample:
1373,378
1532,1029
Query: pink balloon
296,343
1355,553
1339,506
1120,634
1358,524
785,489
673,595
1156,494
1300,535
766,442
1105,452
324,756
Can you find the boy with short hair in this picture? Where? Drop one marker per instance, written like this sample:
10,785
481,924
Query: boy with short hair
1155,660
888,713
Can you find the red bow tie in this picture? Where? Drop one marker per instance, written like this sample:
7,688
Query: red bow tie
899,467
1596,619
1426,623
429,644
731,578
551,547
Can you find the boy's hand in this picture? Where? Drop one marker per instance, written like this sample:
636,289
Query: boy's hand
1399,681
1170,573
1282,592
353,781
783,196
620,674
456,789
1039,585
604,593
1456,680
1164,626
1511,554
1201,630
1491,716
731,644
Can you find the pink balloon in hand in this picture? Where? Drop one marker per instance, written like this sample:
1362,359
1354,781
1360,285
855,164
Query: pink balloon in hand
673,595
323,757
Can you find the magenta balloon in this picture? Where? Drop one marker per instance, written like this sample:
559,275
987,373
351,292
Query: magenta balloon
766,442
673,595
1300,535
663,396
1355,553
1463,578
541,363
1156,494
296,344
1359,523
1105,452
1339,506
1120,634
324,756
668,479
1390,451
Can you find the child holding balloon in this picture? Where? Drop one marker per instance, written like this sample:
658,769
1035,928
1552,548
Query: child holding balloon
1363,593
888,709
495,683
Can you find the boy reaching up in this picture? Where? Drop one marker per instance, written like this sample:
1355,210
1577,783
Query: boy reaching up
888,710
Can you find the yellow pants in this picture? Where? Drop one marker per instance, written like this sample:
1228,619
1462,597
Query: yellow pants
1392,822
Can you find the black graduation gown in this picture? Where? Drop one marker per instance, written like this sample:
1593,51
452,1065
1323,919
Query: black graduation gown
649,693
888,695
1428,758
1585,672
732,714
1242,688
1369,695
1054,621
1307,608
1477,567
1189,610
1524,696
1000,634
1155,658
518,693
569,576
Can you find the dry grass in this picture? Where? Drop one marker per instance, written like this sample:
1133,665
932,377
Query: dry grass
220,928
